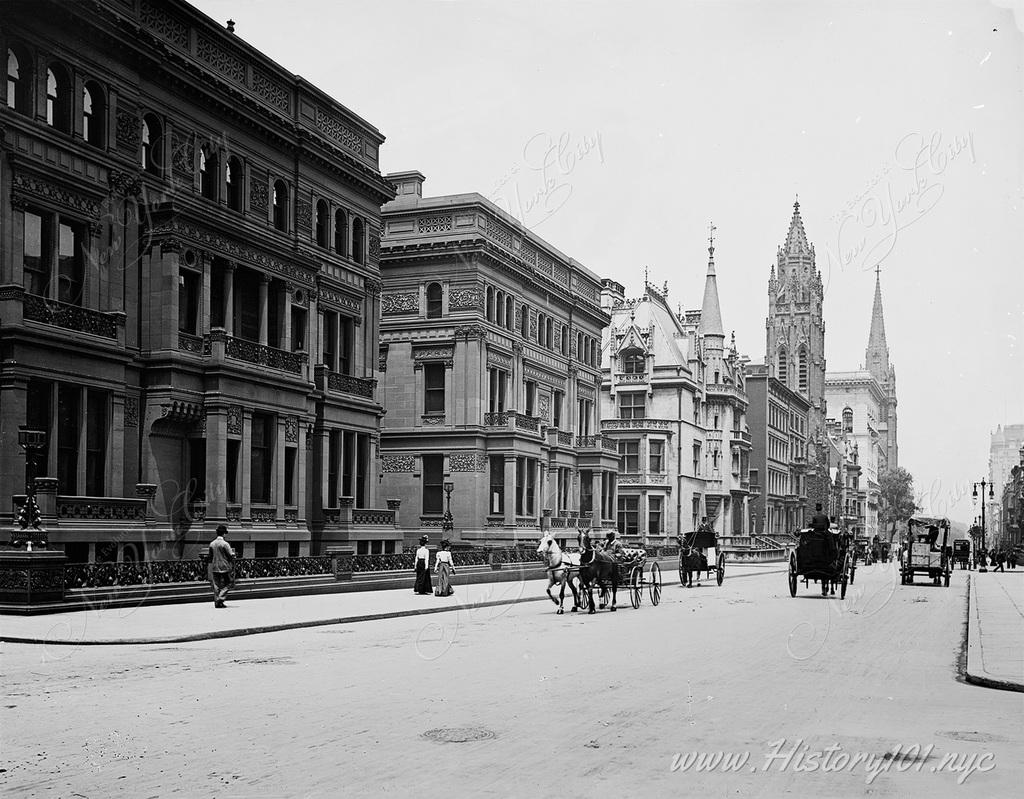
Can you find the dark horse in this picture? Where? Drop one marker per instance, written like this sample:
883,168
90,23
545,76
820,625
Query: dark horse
596,567
692,560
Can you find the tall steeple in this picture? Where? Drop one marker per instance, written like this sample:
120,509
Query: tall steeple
877,354
711,312
796,239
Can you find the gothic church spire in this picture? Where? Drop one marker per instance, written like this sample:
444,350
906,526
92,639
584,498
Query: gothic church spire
877,355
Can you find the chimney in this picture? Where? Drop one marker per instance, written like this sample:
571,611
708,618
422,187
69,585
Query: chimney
408,186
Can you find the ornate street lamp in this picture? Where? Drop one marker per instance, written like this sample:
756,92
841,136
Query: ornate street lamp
447,523
29,528
991,495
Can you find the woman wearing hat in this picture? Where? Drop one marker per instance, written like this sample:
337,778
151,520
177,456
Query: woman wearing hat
445,569
422,585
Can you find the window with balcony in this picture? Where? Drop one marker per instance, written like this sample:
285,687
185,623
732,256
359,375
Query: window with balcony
632,405
586,491
657,455
584,411
629,450
262,457
530,397
188,301
654,516
432,478
629,513
346,343
433,383
51,239
557,404
93,114
434,301
497,380
330,342
526,486
497,479
298,329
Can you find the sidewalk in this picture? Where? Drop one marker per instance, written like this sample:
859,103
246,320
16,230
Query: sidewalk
995,630
163,624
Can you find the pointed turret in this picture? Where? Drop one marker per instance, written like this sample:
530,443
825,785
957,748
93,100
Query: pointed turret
710,311
796,239
877,354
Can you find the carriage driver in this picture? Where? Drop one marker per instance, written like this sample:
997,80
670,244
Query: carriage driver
612,545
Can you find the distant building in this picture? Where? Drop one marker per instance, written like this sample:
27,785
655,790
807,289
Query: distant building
673,398
778,420
849,499
1011,506
1004,447
490,353
189,289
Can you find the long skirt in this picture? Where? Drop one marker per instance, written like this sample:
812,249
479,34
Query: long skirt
422,585
444,580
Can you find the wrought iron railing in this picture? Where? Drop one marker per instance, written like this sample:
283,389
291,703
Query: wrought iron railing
565,438
190,343
70,317
371,516
525,422
261,354
586,441
108,575
361,387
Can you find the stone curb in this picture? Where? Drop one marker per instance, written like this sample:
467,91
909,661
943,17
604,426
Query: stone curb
975,672
298,625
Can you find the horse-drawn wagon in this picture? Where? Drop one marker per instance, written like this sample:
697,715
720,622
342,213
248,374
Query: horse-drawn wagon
699,554
925,553
821,556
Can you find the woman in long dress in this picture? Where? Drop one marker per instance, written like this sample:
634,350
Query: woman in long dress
422,585
445,569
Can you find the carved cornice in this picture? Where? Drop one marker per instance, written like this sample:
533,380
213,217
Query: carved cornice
24,186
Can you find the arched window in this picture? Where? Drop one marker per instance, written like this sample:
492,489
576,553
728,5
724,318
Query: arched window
782,366
499,308
207,173
564,349
548,334
802,368
434,301
524,321
848,419
490,304
634,362
281,205
322,214
341,232
579,346
58,98
540,328
93,114
152,139
234,180
357,240
510,314
19,80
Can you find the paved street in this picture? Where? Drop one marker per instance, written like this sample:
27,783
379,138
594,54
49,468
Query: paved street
569,705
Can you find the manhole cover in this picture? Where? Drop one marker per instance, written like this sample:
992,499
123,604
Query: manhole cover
458,735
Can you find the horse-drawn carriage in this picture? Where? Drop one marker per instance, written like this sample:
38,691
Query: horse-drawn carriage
606,570
694,549
821,556
925,553
862,550
962,553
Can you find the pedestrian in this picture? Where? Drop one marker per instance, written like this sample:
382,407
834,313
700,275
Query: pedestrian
445,569
1000,559
221,566
422,585
1012,558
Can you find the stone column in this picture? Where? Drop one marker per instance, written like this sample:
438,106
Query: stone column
264,285
286,320
216,463
229,298
305,446
204,314
597,503
115,463
510,490
245,465
277,491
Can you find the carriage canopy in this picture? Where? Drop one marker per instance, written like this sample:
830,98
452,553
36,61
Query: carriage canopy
700,539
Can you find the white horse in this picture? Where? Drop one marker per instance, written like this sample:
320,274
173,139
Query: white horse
560,567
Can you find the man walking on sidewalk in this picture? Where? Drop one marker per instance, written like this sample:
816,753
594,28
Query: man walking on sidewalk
222,559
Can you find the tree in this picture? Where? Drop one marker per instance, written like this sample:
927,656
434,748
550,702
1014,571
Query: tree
896,488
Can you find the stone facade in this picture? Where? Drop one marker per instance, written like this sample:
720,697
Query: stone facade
491,344
1004,449
191,343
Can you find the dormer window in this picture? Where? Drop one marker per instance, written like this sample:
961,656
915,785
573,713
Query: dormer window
634,362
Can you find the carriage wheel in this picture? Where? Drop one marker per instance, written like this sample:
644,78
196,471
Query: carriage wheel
655,589
636,585
584,598
720,568
792,574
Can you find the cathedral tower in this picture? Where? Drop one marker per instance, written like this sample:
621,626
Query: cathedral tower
795,350
876,359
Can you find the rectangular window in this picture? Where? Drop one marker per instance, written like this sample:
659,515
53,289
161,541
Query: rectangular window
262,457
68,426
348,463
497,380
71,263
433,383
36,256
274,326
630,452
628,515
345,342
362,468
696,459
586,491
632,406
695,511
753,477
39,416
196,491
234,447
298,329
530,391
654,516
290,456
521,486
330,341
247,305
96,443
497,468
217,277
188,302
557,401
657,449
433,485
531,486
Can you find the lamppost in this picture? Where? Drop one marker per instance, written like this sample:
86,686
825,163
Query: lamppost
447,523
29,530
991,495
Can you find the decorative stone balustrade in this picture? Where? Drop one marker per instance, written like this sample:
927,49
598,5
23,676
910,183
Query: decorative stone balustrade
637,424
190,343
101,508
70,317
347,384
251,352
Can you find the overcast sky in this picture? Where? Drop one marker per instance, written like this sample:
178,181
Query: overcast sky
618,130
